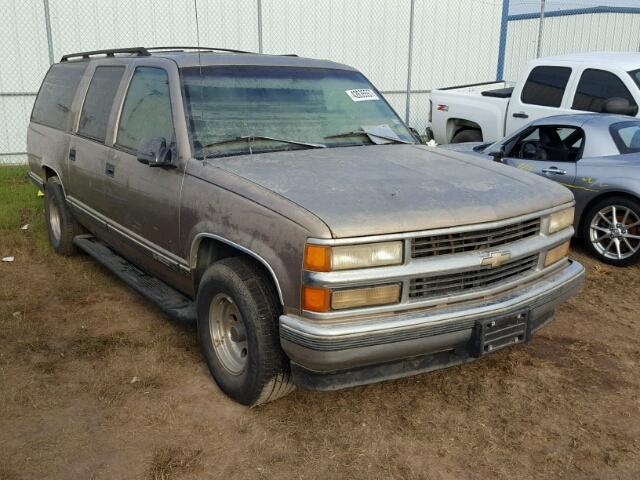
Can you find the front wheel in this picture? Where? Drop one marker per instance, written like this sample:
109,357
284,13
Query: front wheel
467,135
238,314
611,230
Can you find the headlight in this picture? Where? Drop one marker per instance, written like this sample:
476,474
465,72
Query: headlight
560,220
323,258
556,254
322,299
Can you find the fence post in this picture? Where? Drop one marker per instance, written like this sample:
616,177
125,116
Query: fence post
540,29
408,104
259,26
47,23
502,45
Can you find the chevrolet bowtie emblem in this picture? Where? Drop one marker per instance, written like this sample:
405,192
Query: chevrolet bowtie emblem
495,259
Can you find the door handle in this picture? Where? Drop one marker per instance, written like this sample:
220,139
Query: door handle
110,169
72,154
520,115
554,171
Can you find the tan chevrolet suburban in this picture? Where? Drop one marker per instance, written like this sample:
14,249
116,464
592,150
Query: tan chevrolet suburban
281,203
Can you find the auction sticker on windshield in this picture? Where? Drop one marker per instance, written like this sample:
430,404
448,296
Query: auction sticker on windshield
362,94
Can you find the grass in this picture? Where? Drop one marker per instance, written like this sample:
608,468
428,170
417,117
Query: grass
19,205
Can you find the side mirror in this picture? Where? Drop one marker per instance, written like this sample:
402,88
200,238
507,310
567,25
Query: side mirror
498,155
155,152
620,106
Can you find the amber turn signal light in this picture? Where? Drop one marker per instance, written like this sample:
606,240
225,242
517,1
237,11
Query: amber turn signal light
315,299
317,258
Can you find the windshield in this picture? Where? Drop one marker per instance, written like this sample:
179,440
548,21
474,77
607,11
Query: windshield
301,105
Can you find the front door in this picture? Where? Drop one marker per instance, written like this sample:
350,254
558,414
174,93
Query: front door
146,200
548,150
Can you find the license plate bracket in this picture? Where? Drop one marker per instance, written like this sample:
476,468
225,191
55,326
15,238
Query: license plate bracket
493,334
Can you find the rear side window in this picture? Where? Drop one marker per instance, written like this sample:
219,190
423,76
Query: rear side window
596,87
53,104
545,86
147,109
626,135
98,102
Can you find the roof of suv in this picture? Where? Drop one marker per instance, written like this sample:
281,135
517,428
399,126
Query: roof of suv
202,56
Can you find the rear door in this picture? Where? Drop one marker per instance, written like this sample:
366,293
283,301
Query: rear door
550,151
88,154
544,93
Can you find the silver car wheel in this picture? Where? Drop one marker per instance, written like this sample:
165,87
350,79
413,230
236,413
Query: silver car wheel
615,232
54,221
228,334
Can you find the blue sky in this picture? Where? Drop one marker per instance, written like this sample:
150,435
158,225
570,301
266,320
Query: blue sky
527,6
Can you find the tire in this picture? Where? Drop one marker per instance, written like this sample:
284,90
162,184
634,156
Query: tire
62,228
237,303
467,135
601,237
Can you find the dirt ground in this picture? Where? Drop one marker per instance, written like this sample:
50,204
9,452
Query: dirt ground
95,383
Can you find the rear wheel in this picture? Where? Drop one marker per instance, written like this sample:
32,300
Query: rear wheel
62,228
238,312
467,135
611,230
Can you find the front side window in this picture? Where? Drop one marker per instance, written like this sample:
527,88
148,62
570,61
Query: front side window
146,112
53,104
548,143
98,102
545,86
626,136
313,105
596,87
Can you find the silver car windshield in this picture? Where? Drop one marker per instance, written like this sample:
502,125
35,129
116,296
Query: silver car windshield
312,105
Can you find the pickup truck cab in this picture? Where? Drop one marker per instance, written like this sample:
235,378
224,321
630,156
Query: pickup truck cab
587,82
282,204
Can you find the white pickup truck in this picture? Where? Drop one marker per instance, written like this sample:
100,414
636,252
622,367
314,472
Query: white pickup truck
603,82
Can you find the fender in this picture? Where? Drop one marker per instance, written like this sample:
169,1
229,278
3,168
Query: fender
193,256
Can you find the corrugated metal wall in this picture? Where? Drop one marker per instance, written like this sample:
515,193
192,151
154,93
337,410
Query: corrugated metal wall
570,33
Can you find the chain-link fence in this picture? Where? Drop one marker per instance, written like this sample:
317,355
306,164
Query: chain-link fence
405,47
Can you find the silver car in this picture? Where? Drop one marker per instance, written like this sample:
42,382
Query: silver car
598,157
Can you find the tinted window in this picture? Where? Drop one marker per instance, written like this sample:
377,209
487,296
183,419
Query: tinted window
97,104
147,109
545,86
627,136
56,94
596,87
636,76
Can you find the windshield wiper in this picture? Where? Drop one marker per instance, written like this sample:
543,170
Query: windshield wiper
249,138
361,133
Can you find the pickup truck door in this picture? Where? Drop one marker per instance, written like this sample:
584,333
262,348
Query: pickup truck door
550,151
144,201
544,93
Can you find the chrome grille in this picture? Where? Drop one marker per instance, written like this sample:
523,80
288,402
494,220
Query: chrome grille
463,282
475,240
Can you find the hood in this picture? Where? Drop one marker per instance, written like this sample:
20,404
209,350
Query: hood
358,191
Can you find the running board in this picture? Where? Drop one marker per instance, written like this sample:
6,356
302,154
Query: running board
169,300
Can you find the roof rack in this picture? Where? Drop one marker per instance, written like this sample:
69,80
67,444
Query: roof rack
206,49
141,51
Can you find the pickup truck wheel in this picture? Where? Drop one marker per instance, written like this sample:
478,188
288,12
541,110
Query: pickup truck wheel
467,135
61,226
611,229
238,312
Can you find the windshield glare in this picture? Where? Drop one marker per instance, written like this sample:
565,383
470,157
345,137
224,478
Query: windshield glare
302,104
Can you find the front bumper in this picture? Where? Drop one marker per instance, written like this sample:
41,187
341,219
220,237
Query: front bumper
330,356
